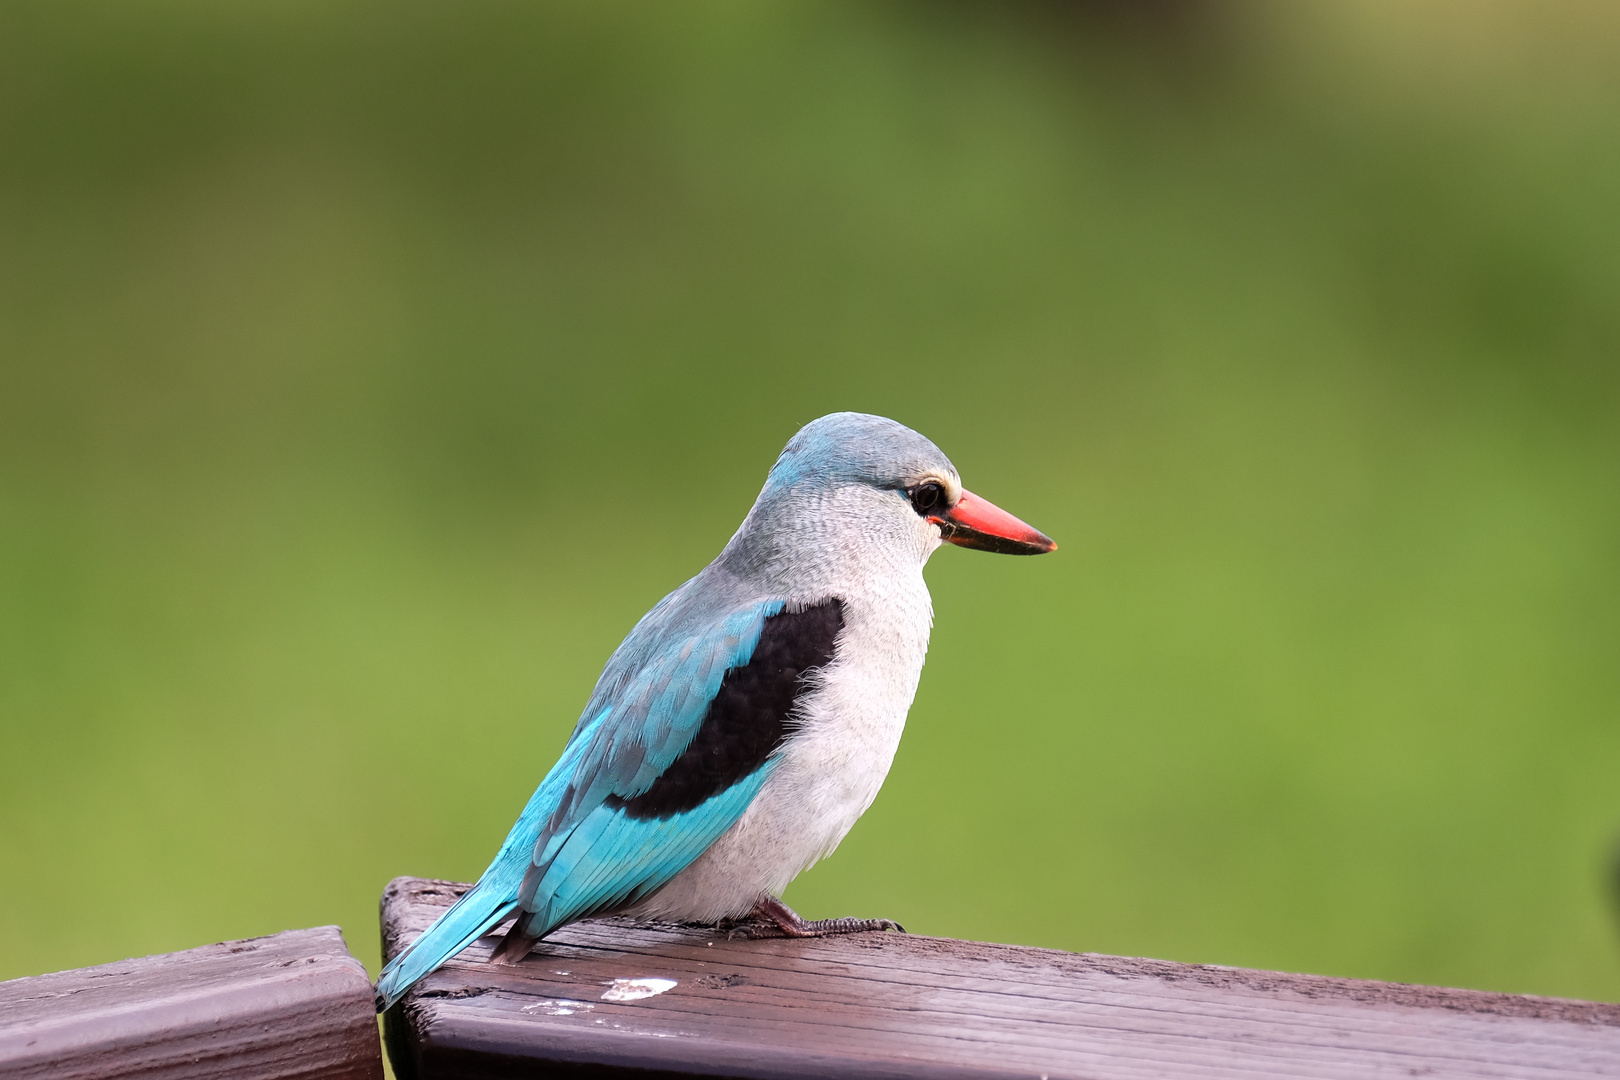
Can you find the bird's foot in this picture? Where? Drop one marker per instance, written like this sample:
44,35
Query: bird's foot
772,918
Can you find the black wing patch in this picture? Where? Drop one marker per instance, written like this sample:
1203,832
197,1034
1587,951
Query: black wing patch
748,718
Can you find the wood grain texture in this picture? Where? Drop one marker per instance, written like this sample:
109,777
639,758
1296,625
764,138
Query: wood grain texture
292,1005
904,1006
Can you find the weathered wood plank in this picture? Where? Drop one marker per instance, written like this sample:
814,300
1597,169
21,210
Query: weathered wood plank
904,1006
292,1005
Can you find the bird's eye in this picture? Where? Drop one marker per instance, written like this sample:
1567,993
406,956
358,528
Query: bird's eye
927,497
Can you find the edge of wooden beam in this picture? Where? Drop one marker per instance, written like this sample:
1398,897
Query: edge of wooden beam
289,1006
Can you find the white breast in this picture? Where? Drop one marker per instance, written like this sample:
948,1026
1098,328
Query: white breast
830,769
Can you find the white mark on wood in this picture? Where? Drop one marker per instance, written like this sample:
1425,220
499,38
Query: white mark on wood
561,1007
636,989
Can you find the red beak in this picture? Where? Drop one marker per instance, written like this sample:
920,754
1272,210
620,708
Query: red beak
977,523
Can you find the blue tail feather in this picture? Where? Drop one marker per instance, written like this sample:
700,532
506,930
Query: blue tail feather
480,909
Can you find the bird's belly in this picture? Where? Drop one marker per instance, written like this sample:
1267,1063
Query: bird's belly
822,780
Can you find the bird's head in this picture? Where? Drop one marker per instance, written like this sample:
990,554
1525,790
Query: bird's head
868,483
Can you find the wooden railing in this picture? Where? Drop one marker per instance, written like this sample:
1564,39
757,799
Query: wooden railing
292,1006
610,998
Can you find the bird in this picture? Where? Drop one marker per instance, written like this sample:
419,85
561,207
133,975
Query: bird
749,718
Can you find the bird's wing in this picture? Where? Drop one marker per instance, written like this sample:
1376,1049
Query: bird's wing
624,818
675,743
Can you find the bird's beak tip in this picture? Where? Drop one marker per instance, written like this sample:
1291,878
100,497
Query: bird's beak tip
978,523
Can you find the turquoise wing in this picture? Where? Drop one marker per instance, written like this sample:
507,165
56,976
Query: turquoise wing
574,850
593,854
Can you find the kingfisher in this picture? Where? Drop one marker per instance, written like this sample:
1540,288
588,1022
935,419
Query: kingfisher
750,717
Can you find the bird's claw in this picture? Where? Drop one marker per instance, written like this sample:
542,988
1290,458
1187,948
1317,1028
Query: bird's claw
771,918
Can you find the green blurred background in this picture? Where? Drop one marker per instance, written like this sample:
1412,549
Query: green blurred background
366,370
